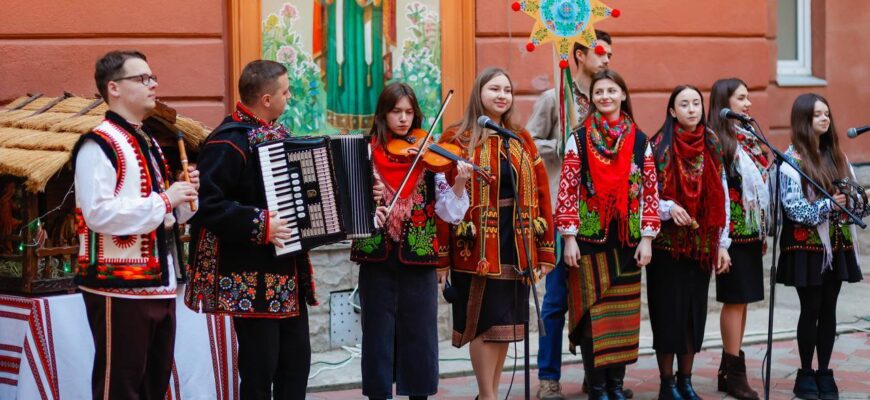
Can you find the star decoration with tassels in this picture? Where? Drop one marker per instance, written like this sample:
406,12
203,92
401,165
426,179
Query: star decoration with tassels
564,22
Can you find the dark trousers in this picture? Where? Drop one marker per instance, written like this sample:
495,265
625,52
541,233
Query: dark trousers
400,329
274,356
135,343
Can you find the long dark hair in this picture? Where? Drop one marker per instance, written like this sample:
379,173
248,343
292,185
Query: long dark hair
821,156
720,97
474,110
625,105
386,102
667,129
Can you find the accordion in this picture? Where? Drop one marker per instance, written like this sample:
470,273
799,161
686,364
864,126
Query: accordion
322,186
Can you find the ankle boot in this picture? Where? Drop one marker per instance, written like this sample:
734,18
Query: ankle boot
668,389
684,386
805,386
722,384
597,384
827,386
614,377
735,378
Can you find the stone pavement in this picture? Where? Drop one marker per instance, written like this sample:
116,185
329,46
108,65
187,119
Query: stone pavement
853,314
850,361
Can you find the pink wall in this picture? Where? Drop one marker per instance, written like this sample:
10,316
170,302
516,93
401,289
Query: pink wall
51,46
660,44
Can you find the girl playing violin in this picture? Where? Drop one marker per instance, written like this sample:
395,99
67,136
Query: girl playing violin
488,257
402,264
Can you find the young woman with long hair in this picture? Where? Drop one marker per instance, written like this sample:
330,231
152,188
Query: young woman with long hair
746,164
818,252
607,214
398,282
693,241
488,257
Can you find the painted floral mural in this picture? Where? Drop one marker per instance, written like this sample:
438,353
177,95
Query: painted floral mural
340,55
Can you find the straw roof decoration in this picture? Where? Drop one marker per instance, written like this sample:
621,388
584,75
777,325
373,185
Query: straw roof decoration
37,138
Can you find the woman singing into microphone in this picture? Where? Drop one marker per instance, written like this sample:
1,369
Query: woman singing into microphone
818,252
746,165
489,247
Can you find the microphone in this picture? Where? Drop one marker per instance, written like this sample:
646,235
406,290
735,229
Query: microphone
727,113
486,122
854,132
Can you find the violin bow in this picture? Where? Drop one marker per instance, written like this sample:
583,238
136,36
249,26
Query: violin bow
420,152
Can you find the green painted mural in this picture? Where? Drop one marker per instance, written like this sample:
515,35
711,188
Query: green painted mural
341,53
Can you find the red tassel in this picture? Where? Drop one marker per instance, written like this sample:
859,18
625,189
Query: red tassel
516,6
530,47
600,50
615,13
482,267
563,64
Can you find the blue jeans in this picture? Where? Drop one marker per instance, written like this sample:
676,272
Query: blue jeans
553,313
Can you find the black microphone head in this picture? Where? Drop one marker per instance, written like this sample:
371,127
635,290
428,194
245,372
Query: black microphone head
724,112
852,133
483,120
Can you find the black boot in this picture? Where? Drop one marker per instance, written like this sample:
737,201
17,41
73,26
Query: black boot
827,387
805,386
595,377
597,384
722,384
684,386
614,377
668,389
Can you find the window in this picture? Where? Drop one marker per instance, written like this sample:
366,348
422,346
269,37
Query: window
794,36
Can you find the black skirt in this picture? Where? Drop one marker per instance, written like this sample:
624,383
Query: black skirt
493,308
745,282
677,297
400,328
802,268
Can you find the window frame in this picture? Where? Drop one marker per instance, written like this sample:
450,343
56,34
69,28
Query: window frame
803,66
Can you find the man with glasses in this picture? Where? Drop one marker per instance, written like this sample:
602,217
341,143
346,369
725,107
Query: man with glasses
128,229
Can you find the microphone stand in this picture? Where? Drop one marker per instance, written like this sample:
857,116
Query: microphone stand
528,272
780,158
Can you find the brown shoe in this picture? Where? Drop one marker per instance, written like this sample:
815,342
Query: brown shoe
550,390
735,377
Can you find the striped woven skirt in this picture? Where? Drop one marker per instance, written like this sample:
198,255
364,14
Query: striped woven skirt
606,286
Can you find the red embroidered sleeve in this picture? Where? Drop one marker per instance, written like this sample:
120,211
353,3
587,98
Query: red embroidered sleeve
650,224
567,217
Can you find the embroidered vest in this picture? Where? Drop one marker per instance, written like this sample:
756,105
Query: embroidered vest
419,244
589,230
800,237
120,261
481,253
744,229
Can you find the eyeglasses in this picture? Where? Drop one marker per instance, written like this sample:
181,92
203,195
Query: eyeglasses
144,79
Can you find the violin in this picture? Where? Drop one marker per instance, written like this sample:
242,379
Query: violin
435,157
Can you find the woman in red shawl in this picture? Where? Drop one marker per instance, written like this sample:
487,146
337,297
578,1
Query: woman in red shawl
401,266
607,213
693,241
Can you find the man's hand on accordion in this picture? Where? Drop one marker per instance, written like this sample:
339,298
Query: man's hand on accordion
279,233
